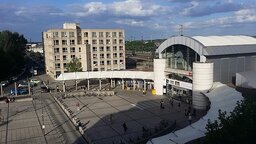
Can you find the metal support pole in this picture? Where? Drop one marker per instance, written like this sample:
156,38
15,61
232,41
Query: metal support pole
15,85
64,86
29,88
123,84
111,83
76,84
134,86
88,84
100,83
144,89
2,94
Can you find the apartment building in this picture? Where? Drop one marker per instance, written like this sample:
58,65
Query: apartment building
97,49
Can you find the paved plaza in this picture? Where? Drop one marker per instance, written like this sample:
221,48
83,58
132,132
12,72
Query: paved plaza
102,118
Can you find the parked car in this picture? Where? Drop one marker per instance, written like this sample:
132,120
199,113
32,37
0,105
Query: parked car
19,91
4,83
25,85
35,81
45,89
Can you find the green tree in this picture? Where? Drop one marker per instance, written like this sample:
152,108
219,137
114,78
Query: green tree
74,65
12,51
239,127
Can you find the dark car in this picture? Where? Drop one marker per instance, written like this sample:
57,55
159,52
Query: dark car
19,91
45,89
4,83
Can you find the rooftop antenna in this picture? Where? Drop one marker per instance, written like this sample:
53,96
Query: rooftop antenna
181,30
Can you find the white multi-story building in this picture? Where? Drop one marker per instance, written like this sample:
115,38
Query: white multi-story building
97,49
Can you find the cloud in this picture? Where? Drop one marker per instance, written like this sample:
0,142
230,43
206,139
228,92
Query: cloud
131,22
197,9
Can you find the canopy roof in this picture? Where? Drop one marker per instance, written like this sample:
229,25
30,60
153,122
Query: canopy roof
107,74
213,45
221,97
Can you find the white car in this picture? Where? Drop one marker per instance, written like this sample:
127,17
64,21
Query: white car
35,81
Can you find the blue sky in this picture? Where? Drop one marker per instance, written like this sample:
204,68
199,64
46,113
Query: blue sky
140,18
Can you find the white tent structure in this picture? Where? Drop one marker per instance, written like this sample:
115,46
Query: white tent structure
222,98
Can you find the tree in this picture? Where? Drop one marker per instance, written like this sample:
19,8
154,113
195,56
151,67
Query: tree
238,127
12,51
74,65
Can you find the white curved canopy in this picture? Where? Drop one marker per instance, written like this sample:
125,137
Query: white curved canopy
225,40
107,74
221,97
213,45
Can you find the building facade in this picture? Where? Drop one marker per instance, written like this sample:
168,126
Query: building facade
97,49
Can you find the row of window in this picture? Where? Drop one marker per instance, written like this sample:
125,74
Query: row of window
63,42
65,50
108,55
65,57
86,34
108,62
107,48
108,41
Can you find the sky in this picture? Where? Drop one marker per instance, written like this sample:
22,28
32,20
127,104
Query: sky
141,19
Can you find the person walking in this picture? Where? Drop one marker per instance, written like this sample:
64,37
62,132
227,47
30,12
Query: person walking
161,104
189,118
178,106
57,88
125,127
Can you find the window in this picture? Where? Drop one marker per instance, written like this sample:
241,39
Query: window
102,56
100,34
95,63
115,61
101,49
85,34
57,65
72,56
94,56
55,34
56,42
64,42
94,49
107,34
56,50
63,34
108,62
121,55
108,41
64,65
121,48
115,55
72,49
71,34
114,48
64,57
113,34
114,41
100,41
108,48
57,58
120,34
72,42
94,34
121,41
94,41
108,55
101,62
86,42
64,50
121,62
79,49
